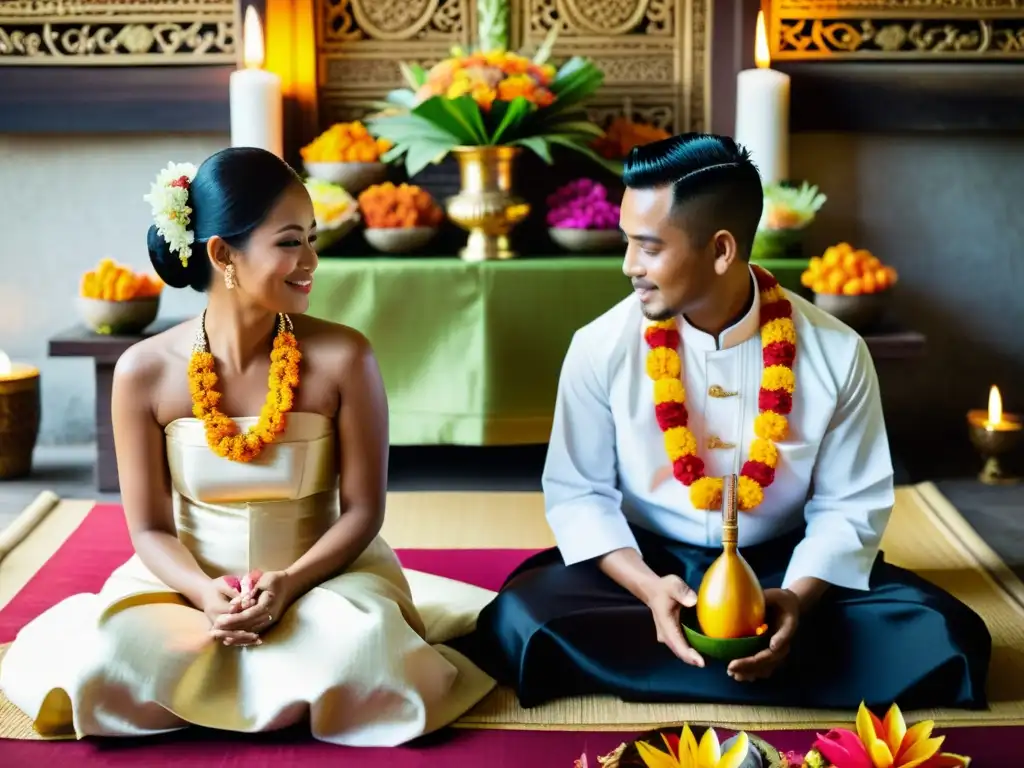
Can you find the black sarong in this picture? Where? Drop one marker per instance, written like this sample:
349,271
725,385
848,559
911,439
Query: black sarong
555,631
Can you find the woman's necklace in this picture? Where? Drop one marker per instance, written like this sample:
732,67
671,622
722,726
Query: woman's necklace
222,433
775,400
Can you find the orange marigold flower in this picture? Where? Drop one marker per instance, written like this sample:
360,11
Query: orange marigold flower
749,493
662,363
706,493
669,391
778,377
778,330
771,426
680,442
764,451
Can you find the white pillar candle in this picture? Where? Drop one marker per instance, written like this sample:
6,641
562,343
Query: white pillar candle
255,96
762,113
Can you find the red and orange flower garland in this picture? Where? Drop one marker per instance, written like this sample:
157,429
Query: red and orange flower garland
775,401
222,433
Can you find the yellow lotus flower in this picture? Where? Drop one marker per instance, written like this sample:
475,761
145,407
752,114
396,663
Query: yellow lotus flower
684,752
890,744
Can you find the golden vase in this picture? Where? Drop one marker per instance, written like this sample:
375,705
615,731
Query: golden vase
730,602
485,206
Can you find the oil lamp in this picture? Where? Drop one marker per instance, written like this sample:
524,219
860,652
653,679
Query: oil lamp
994,434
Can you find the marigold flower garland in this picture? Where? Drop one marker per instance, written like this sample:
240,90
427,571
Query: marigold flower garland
222,433
775,401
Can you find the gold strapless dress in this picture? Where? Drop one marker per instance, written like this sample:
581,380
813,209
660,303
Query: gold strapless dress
361,654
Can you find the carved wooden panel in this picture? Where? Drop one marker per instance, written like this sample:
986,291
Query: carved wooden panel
117,32
897,29
654,53
361,42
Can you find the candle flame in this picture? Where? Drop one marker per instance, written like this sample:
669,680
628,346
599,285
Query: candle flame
762,58
995,405
5,364
253,54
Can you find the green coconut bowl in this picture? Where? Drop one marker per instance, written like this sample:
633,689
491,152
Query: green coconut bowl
723,649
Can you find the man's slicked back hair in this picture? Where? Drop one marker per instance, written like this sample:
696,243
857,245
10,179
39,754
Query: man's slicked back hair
714,184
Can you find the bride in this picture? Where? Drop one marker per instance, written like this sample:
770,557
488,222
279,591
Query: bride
260,593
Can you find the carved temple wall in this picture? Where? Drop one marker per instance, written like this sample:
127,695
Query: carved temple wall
117,32
912,30
655,53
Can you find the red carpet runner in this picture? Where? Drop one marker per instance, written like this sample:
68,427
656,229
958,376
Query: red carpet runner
101,544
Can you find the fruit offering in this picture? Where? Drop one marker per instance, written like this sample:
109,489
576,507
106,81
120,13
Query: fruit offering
390,206
114,282
623,134
582,204
841,269
332,205
791,207
345,143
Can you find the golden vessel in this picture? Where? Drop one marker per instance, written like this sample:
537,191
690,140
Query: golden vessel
485,206
730,602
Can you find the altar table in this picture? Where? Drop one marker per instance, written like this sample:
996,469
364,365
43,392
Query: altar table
471,352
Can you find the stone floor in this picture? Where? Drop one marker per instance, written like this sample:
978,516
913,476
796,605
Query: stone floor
997,513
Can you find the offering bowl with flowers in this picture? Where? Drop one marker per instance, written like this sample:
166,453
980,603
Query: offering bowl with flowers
850,284
582,217
347,155
787,213
115,300
399,218
336,212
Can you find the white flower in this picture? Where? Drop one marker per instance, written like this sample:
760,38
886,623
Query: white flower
168,198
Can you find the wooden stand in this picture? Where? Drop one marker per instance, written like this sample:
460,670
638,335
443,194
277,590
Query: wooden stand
105,352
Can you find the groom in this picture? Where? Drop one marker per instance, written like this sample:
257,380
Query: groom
710,369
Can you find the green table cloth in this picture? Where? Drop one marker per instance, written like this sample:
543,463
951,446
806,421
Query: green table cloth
471,352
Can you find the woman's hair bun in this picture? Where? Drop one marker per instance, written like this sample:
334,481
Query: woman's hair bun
167,264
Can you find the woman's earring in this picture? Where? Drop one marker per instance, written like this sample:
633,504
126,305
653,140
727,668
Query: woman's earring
229,276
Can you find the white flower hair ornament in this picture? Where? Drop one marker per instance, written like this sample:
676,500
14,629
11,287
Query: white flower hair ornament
168,198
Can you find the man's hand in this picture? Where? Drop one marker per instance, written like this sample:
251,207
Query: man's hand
665,599
783,609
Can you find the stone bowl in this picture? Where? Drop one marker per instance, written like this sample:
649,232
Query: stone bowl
352,177
118,318
329,236
587,240
399,239
723,649
859,312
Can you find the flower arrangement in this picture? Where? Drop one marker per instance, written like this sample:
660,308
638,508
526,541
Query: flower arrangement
787,212
623,134
875,743
490,98
582,204
168,199
387,206
345,143
843,270
788,207
111,281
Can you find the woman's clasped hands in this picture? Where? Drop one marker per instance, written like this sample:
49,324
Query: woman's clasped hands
240,609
